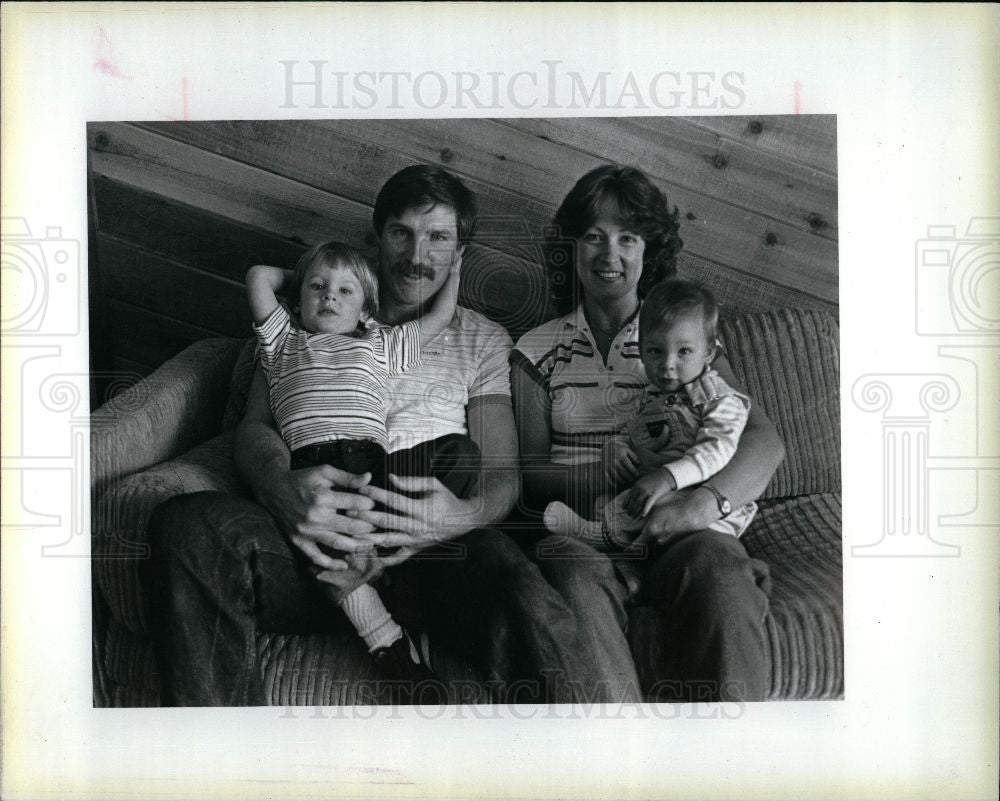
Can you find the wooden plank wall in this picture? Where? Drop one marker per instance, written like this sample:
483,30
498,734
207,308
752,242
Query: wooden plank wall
183,209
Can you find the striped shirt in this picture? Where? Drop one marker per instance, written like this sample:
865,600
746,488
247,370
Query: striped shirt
467,361
588,401
324,387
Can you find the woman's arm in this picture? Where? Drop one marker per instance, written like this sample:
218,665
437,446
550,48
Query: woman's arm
542,479
758,455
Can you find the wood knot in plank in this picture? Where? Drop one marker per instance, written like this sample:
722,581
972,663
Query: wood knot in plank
446,155
816,222
101,141
756,127
771,239
717,160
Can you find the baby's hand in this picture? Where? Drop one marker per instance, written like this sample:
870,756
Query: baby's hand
618,462
649,490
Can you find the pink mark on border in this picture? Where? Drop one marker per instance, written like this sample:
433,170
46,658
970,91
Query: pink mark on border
797,103
185,106
104,61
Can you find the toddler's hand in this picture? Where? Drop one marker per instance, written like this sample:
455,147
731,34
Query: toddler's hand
363,566
647,492
618,462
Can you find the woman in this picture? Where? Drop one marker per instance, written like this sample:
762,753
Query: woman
576,380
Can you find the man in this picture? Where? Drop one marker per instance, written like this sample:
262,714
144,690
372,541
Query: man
225,569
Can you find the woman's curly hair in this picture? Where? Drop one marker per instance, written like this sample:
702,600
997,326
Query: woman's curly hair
636,204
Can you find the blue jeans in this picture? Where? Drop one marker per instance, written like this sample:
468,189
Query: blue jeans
713,600
586,580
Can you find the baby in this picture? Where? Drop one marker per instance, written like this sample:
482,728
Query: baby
327,378
688,426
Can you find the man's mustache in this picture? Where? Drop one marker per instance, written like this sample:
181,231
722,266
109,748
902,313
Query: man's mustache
417,270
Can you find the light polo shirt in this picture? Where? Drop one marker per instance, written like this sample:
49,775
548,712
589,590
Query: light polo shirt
466,361
589,401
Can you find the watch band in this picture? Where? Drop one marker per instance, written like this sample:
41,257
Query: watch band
725,507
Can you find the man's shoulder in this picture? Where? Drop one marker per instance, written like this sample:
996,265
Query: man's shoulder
473,324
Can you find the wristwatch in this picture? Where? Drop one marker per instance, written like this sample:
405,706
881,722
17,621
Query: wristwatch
724,505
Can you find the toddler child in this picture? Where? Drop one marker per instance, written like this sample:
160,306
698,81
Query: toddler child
327,378
690,421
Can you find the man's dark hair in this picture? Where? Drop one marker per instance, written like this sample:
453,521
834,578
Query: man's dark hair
422,185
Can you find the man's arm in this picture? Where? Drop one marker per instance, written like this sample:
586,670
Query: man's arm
307,504
491,427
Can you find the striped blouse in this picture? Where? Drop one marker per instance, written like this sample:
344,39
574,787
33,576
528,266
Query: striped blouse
588,401
324,387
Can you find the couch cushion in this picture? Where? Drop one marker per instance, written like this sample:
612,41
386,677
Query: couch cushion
120,518
789,363
239,385
298,669
335,670
799,539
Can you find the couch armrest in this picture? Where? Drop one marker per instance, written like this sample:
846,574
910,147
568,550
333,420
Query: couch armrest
176,407
120,519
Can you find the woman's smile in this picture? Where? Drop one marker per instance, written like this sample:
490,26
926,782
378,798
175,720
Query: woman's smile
609,258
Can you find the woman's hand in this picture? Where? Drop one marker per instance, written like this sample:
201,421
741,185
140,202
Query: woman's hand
648,491
679,514
619,462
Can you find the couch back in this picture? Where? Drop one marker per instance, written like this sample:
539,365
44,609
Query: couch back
789,361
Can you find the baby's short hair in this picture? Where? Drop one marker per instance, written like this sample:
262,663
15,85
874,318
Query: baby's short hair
337,254
668,300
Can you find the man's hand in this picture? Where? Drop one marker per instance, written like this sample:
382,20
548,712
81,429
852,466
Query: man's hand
619,462
434,515
648,491
315,507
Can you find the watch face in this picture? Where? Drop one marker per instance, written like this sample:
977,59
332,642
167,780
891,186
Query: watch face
726,507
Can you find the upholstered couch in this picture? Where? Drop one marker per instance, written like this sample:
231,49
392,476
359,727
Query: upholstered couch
173,433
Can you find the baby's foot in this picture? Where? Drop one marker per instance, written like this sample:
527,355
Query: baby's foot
560,519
